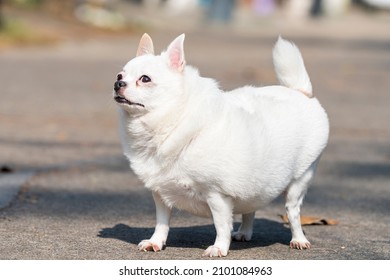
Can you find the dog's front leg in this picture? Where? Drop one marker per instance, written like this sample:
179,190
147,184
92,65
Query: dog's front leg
221,208
159,237
245,231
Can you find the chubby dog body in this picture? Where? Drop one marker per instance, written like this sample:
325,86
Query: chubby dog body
216,153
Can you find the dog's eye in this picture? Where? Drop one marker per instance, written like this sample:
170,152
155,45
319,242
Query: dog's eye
119,77
145,79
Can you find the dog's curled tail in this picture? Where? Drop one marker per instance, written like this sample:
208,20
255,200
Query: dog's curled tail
289,67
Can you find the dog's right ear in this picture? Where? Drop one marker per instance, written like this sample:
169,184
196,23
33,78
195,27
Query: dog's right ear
145,45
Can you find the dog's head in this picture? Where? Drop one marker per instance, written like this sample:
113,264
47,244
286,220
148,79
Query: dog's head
149,81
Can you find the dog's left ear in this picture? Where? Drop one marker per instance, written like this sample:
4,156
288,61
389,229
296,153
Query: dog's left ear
145,45
175,54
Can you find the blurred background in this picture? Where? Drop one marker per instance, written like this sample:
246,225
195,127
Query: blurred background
32,21
59,60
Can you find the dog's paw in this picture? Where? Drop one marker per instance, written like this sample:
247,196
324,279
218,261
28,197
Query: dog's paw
300,244
214,251
149,245
241,236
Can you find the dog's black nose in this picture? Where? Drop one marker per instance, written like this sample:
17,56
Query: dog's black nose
119,84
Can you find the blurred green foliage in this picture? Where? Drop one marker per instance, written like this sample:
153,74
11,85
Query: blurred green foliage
27,3
14,30
16,33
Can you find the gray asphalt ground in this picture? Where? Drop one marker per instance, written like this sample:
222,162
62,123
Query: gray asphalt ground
58,121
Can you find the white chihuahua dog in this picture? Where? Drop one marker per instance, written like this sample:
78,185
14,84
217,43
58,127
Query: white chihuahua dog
216,153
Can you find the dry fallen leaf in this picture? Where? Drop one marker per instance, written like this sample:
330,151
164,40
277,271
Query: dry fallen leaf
308,220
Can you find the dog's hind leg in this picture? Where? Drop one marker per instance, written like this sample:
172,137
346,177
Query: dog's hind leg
245,230
294,196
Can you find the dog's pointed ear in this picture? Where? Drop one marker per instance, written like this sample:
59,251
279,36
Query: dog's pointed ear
145,45
175,54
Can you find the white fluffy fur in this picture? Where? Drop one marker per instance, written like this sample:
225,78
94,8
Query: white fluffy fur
216,153
288,63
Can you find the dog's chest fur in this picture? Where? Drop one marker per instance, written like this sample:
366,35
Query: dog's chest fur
163,169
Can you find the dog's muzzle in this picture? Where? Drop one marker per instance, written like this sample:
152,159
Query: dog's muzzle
118,85
119,94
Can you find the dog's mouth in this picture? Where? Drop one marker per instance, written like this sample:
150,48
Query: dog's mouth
122,100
